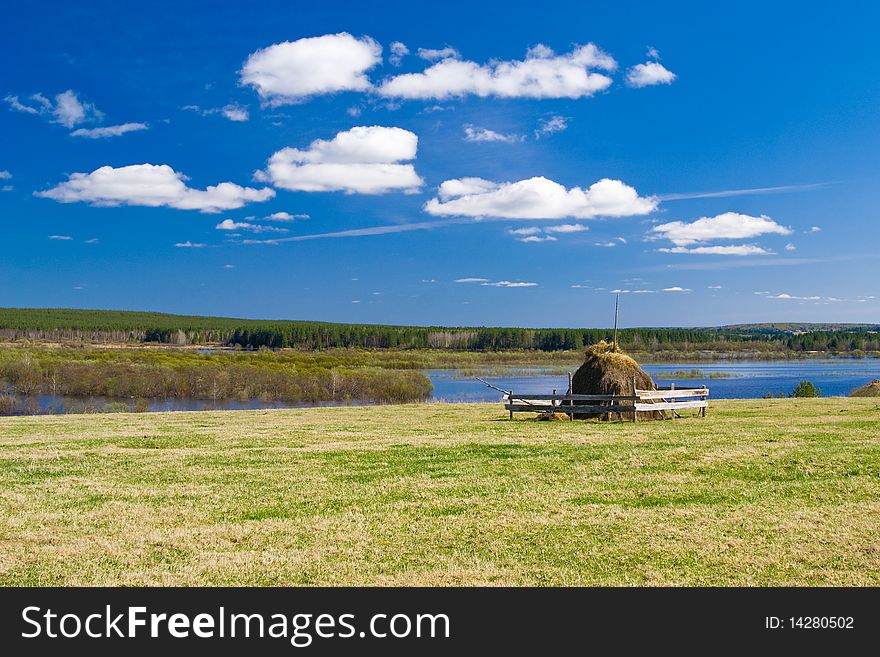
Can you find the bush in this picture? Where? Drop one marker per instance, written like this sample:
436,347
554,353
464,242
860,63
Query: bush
806,389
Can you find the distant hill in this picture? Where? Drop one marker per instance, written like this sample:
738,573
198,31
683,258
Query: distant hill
794,327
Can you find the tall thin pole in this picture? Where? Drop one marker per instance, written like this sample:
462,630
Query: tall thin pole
616,308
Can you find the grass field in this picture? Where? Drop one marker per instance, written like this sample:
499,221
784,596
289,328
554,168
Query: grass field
761,492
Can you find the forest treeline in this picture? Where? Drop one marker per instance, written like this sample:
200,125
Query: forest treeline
145,327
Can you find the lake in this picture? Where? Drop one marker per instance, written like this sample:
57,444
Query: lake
747,379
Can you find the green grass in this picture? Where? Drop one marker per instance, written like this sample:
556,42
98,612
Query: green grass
762,492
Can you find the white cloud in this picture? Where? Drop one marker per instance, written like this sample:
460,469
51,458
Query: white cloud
815,229
285,216
730,225
93,240
70,111
229,224
6,188
152,185
471,280
752,191
228,266
715,287
532,230
108,131
474,133
790,247
653,53
536,238
617,241
64,238
189,245
291,71
16,104
67,110
676,288
508,284
235,112
792,297
363,160
648,74
542,74
434,54
738,250
232,111
550,126
534,233
537,198
5,175
398,52
566,228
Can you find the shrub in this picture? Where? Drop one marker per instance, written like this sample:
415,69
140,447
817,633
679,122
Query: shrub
806,389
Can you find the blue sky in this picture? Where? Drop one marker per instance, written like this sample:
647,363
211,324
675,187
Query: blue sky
455,163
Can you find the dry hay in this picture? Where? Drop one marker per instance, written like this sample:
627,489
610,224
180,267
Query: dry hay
552,416
869,390
608,370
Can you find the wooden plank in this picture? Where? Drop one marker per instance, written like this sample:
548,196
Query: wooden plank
578,397
576,410
668,406
673,394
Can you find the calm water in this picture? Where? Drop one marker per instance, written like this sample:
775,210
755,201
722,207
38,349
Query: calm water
749,379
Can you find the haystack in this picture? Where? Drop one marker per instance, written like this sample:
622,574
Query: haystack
608,370
869,390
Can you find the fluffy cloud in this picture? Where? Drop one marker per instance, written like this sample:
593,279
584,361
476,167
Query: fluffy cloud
398,52
363,160
730,225
288,72
67,110
285,216
70,111
5,175
152,185
648,74
108,131
532,230
434,54
738,250
537,198
544,233
471,280
549,126
235,112
189,245
566,228
474,133
63,238
229,224
542,74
